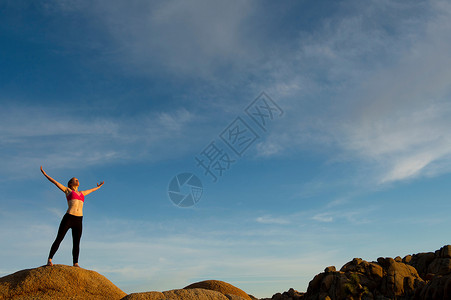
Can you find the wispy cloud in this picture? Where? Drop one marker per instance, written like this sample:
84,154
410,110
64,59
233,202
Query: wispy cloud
323,217
351,216
341,211
369,83
59,138
378,91
196,39
271,220
268,148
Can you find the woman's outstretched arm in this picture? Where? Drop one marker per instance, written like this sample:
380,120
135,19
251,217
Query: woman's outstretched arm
93,189
59,185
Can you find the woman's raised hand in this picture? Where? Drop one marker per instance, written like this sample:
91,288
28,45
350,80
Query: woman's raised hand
100,184
43,172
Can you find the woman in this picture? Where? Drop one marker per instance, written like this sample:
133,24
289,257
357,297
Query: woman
73,217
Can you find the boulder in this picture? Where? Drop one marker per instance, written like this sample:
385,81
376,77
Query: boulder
400,279
422,276
219,286
407,259
430,264
145,296
291,294
330,284
421,262
388,278
438,288
235,297
58,282
445,251
330,269
372,269
180,294
440,266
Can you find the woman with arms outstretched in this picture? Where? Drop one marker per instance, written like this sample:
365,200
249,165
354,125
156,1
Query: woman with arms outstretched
73,217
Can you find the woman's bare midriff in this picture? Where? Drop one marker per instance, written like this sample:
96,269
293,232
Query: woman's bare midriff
75,207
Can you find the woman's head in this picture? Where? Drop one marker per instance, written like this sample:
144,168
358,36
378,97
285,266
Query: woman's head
73,182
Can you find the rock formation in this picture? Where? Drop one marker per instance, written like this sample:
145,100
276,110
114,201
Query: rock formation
291,294
220,286
180,294
439,287
422,276
58,282
431,263
204,290
361,279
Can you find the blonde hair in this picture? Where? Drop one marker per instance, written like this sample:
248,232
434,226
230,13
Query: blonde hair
70,182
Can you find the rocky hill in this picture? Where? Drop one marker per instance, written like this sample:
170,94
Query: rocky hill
204,290
420,276
417,277
58,282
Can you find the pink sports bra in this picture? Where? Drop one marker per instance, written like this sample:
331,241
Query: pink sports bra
73,195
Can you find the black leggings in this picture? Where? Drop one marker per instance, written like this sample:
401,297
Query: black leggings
69,221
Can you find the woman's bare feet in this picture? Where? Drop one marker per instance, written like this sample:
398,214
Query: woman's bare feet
76,265
49,262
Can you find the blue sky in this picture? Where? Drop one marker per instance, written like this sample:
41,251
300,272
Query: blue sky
130,92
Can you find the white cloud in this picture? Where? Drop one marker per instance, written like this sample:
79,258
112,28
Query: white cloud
195,38
323,217
268,148
370,85
375,90
271,220
403,142
62,138
409,167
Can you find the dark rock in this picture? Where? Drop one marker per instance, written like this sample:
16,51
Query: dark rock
438,288
291,294
359,279
440,266
445,251
421,262
422,276
330,269
407,259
